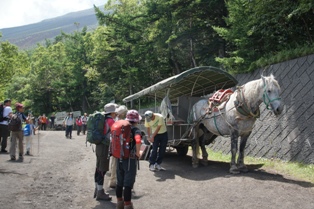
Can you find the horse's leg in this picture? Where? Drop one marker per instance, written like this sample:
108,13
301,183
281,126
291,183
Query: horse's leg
207,136
204,151
234,148
195,147
241,166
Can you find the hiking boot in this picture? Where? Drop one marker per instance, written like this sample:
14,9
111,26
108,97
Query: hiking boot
120,204
152,167
27,153
129,206
95,193
4,151
157,167
12,158
101,195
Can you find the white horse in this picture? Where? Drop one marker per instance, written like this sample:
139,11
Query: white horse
234,118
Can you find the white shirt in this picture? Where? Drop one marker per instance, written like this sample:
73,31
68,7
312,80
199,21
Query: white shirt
6,111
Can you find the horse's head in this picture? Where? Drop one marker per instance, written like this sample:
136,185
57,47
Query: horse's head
271,94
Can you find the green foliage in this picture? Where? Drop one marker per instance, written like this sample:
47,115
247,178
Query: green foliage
140,42
259,28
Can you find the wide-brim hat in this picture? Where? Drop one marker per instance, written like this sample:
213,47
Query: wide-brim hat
110,108
148,115
121,109
133,116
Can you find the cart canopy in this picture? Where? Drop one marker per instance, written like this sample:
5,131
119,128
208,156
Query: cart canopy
196,82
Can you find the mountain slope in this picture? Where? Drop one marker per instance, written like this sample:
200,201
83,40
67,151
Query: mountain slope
28,36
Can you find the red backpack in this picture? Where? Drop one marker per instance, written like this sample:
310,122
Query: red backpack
121,139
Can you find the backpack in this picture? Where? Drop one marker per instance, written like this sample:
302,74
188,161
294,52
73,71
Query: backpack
1,112
15,123
27,130
122,143
95,129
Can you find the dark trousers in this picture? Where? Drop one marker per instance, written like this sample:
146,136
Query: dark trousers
78,129
68,131
4,133
43,126
159,148
84,128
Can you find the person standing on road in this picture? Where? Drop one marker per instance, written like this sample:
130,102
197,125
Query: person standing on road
18,134
78,125
29,138
126,168
52,120
102,155
121,111
157,134
68,124
84,123
44,121
4,130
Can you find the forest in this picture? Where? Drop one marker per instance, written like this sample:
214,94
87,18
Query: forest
141,42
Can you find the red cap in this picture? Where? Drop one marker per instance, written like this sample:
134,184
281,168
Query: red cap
18,105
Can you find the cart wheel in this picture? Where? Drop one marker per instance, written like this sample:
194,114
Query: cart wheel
183,150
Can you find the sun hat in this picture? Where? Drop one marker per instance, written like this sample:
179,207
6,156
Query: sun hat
110,107
133,116
19,105
148,115
121,109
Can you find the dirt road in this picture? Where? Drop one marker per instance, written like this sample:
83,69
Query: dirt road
61,176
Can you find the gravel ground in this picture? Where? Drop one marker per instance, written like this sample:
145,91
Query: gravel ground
60,175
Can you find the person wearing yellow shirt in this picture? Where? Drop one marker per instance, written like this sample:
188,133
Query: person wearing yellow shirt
157,135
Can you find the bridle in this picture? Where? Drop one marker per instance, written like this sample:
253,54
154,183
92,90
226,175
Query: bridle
266,97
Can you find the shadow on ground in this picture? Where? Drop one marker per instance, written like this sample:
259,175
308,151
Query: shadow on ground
182,166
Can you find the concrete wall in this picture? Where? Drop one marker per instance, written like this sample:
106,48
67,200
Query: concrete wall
290,136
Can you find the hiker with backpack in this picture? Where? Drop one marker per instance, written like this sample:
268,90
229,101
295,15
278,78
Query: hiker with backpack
17,133
5,113
102,151
126,133
28,133
121,111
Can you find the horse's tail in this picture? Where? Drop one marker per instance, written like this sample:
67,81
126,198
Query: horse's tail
197,141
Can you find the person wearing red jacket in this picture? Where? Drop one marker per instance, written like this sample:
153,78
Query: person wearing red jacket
78,123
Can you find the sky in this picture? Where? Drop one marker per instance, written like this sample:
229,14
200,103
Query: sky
23,12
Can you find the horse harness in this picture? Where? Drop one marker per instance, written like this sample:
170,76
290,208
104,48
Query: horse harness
242,107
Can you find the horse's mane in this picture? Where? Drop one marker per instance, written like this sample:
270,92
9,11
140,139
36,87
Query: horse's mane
271,81
256,85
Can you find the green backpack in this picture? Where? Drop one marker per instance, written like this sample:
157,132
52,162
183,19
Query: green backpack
95,129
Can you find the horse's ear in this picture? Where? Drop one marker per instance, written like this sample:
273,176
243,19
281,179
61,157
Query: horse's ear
263,79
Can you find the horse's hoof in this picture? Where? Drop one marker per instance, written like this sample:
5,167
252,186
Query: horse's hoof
243,169
204,163
234,170
195,165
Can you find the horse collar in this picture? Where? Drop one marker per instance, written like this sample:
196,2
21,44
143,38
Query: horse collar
242,107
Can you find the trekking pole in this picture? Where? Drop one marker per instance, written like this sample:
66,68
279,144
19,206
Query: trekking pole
38,142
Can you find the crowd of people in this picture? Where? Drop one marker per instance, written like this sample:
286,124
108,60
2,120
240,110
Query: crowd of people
123,172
